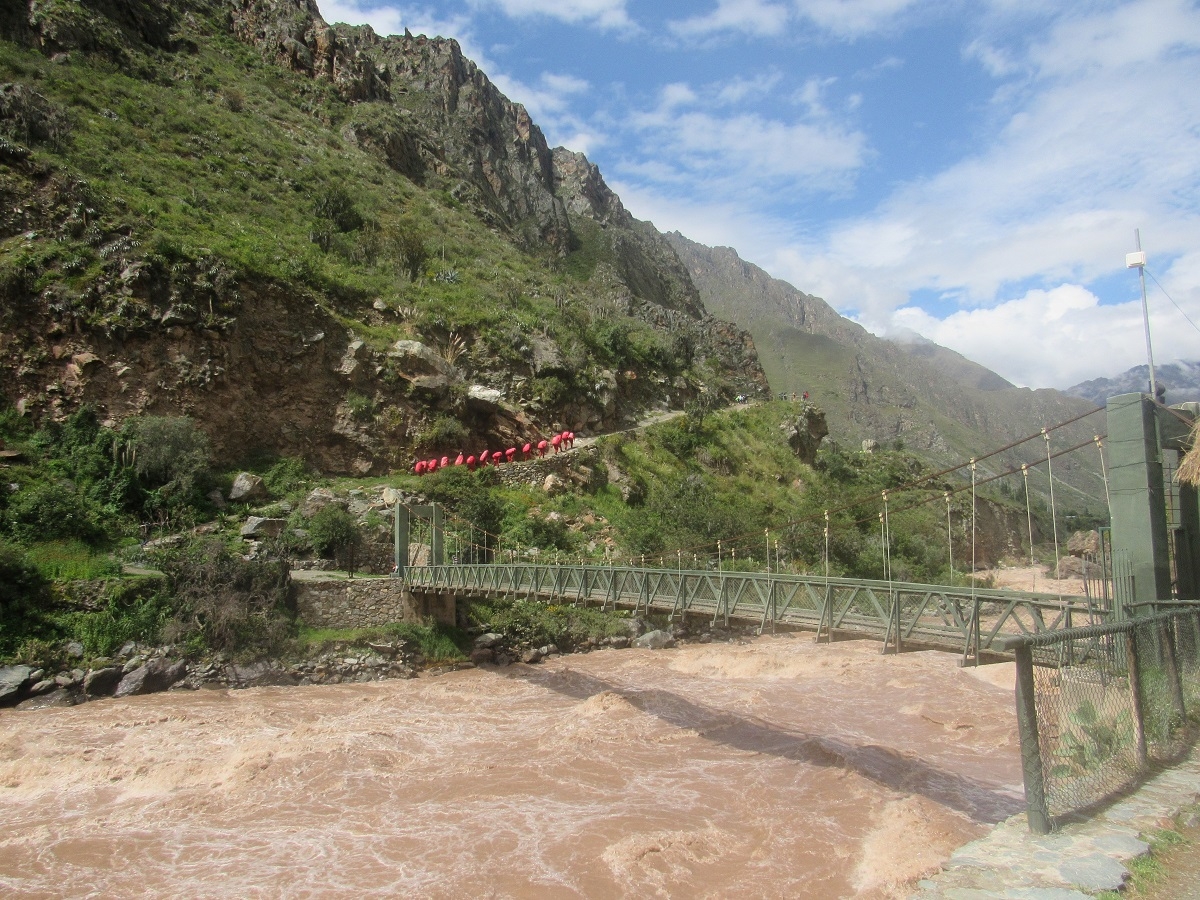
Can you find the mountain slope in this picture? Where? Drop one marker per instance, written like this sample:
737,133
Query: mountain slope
1181,379
932,400
317,242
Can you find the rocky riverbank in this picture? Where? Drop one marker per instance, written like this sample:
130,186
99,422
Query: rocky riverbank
138,669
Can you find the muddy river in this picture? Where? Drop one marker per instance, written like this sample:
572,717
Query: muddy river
775,768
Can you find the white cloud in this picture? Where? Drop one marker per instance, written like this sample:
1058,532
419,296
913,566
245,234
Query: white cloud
755,17
739,89
743,155
1134,34
383,18
852,18
1058,337
609,14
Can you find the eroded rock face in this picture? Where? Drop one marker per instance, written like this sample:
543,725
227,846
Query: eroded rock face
805,433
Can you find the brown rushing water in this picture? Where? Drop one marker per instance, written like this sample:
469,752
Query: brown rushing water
774,769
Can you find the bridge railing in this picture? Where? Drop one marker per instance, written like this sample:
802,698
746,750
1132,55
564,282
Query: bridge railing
954,618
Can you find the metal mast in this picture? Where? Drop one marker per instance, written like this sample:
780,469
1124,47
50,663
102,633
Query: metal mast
1137,260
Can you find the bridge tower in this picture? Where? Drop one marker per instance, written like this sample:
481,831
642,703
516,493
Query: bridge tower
400,533
1140,431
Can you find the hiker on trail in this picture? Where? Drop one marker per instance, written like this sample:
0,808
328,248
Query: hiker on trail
510,453
420,467
527,449
541,448
556,442
471,463
459,460
806,395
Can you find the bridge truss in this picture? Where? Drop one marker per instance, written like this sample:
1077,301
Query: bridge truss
976,623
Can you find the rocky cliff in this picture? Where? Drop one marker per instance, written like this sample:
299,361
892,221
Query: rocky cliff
318,242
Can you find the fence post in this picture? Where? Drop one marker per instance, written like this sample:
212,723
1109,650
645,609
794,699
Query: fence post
1135,692
1167,634
1031,754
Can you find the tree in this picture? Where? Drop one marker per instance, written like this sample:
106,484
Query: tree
334,532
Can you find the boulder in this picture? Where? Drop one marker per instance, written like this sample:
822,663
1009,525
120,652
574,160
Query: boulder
1075,567
484,398
1084,543
247,487
655,640
870,445
415,358
102,682
257,527
488,641
553,485
216,498
59,697
530,657
156,675
12,680
483,656
317,499
75,650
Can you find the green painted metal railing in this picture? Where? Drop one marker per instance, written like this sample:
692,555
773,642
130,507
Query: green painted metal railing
958,619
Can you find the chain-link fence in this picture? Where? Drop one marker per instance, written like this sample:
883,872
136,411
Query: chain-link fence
1095,705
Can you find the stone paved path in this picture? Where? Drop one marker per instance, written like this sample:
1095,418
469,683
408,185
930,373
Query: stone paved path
1073,863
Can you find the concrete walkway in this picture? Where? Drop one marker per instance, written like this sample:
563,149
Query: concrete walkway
1077,861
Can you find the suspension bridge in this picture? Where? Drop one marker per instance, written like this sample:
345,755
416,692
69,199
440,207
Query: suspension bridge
1151,550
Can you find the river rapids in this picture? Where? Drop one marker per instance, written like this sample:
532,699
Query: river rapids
772,768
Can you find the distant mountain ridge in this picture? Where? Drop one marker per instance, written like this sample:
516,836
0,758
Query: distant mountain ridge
1181,379
914,392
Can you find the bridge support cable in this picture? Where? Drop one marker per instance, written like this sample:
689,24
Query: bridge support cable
1053,510
827,603
949,538
1104,475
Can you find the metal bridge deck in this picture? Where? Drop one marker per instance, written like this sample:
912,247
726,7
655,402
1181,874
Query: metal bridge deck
973,622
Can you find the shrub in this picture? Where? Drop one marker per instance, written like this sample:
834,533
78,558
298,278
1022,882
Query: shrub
24,599
103,632
335,206
410,250
362,407
49,510
286,476
334,532
443,433
225,601
167,450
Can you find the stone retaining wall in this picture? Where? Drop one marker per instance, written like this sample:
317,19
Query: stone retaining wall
534,471
367,603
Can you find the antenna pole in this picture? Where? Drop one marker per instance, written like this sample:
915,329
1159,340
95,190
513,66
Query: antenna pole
1137,260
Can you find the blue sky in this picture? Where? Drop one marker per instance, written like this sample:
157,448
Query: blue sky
971,170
